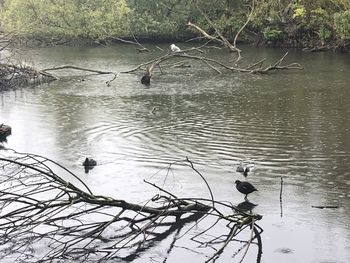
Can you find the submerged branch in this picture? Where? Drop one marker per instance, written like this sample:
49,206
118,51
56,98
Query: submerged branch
79,68
101,72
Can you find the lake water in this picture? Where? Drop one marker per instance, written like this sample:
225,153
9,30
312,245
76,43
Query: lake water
290,124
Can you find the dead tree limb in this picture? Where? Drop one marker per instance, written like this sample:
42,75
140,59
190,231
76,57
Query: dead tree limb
12,75
221,39
45,218
101,72
141,48
78,68
242,28
217,66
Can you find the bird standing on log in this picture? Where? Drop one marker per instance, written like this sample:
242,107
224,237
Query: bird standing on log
245,188
174,48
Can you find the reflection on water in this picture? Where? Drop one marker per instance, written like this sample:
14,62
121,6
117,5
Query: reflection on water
246,206
291,124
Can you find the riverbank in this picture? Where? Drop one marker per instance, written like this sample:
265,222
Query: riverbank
310,45
313,25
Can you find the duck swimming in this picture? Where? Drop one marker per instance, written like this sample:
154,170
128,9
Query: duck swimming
243,169
89,162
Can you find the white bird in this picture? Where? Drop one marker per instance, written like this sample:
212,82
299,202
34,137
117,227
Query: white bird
174,48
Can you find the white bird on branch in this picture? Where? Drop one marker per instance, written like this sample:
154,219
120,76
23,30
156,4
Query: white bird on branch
174,48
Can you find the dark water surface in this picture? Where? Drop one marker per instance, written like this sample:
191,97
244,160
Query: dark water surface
290,124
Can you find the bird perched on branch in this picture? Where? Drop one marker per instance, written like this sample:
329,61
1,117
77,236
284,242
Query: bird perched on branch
245,188
174,48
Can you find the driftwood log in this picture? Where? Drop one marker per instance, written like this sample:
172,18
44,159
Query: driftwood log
44,218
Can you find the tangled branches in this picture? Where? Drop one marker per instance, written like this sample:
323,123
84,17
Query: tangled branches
16,74
216,65
48,219
12,75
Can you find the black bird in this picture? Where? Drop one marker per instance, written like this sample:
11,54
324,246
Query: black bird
88,164
243,169
245,188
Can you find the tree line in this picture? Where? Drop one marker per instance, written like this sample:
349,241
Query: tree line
296,23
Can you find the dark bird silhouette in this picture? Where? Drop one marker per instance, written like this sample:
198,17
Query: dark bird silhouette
88,164
245,188
243,169
246,206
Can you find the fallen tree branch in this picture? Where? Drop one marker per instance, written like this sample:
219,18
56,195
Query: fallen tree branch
12,75
256,68
101,72
45,218
78,68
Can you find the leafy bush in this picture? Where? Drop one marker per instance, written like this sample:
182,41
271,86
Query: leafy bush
342,24
272,34
67,18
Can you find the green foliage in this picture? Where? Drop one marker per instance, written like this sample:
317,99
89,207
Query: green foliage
342,24
267,13
67,18
272,34
316,21
162,18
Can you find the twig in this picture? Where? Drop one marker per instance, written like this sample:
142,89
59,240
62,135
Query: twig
281,206
325,206
249,241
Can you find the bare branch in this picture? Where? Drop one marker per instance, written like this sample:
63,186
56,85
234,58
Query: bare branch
45,218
